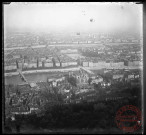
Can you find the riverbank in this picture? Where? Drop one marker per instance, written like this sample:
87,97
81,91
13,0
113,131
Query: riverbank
68,44
72,69
58,45
43,71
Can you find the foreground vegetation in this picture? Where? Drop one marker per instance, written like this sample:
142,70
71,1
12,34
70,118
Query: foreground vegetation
81,116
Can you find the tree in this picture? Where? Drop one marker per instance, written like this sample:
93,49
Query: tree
72,81
99,107
37,62
10,103
72,94
96,86
60,99
89,80
18,91
53,60
25,57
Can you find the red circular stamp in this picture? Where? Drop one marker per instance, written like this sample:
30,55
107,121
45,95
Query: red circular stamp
128,118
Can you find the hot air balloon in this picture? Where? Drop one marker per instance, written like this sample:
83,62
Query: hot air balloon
92,20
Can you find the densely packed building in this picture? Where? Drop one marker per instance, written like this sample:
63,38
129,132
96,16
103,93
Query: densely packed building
106,52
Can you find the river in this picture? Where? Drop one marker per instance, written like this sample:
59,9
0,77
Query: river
33,77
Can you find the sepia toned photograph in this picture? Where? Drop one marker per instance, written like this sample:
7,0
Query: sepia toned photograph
72,68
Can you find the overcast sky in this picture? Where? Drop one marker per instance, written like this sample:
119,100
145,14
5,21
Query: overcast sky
73,17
